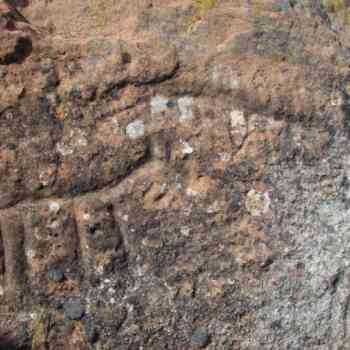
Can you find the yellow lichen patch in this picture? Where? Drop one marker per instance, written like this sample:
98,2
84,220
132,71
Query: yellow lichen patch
334,5
203,6
201,9
338,9
39,333
258,8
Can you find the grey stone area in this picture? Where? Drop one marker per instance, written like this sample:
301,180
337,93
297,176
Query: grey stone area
306,302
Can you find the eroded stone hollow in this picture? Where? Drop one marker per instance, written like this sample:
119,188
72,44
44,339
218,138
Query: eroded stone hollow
174,175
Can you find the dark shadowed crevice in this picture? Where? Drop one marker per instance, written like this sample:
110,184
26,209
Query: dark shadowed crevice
10,344
2,260
18,3
23,49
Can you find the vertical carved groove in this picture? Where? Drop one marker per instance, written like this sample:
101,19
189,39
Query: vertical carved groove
14,258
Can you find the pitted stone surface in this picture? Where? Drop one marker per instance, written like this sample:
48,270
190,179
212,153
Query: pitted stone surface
174,175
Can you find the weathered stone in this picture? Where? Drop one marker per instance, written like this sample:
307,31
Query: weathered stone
200,338
56,275
74,309
195,172
90,330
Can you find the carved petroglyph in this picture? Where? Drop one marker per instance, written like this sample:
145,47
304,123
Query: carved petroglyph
79,235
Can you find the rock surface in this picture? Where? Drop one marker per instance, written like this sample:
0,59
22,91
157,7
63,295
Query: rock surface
175,174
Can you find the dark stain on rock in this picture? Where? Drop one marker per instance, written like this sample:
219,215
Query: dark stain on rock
22,50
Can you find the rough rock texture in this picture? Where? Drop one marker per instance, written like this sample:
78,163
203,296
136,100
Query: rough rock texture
174,174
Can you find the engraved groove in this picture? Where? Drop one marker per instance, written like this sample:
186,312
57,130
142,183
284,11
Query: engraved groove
13,239
83,236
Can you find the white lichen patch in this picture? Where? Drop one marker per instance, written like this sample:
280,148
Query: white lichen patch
54,207
257,203
54,225
336,99
225,157
185,105
234,83
135,129
30,254
33,315
88,304
63,149
237,119
86,216
159,104
111,290
191,192
163,188
115,125
185,231
186,148
81,142
100,269
238,126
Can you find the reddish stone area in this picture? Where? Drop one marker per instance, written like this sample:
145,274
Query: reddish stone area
174,175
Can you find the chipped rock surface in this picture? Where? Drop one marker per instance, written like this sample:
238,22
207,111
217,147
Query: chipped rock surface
174,176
